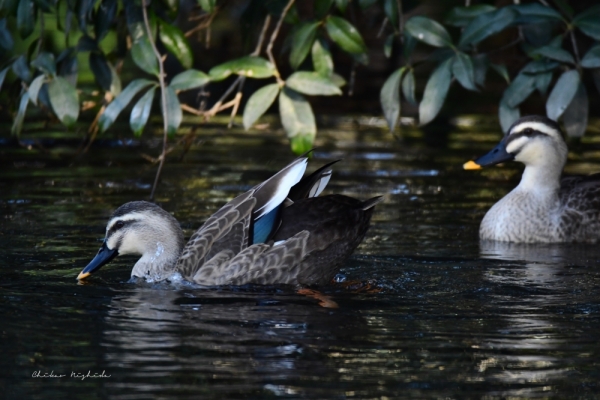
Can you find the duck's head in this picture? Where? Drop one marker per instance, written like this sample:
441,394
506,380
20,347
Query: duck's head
533,140
143,228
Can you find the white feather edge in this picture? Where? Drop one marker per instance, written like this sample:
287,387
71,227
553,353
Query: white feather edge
320,185
291,175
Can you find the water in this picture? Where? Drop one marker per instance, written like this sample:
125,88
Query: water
425,310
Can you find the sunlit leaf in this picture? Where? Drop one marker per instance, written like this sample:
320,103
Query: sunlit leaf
485,25
64,100
26,12
143,55
562,94
6,39
390,98
408,86
208,5
507,115
591,58
35,87
428,31
435,92
554,53
18,122
302,42
589,22
101,70
337,80
45,63
462,68
312,83
321,57
461,16
535,13
190,79
115,85
252,67
141,112
345,35
575,117
259,103
120,102
519,89
297,116
176,43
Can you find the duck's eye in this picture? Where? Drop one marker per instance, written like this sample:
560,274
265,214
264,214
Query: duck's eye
119,224
528,131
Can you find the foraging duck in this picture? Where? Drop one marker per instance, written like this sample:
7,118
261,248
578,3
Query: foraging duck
278,232
544,207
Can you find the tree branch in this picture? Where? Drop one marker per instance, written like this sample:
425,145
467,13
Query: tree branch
272,41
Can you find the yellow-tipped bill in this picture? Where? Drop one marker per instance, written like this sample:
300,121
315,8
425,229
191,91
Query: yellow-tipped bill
83,275
471,165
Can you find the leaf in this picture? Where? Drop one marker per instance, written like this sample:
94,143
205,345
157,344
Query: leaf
501,70
2,76
337,80
176,43
143,55
104,18
173,113
554,53
26,18
535,13
542,82
86,43
562,94
101,70
21,69
321,57
35,87
252,67
480,67
208,5
302,42
296,114
428,31
390,98
6,39
462,68
589,22
485,25
259,103
190,79
115,85
312,83
461,16
345,35
64,100
591,58
341,5
302,143
507,115
409,45
388,45
520,88
141,112
390,7
322,7
18,122
575,117
45,63
366,3
408,86
435,92
120,102
538,66
67,65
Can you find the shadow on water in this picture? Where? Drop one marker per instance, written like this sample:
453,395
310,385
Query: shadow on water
425,310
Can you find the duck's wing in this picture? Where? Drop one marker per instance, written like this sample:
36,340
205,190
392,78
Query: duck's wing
312,185
580,200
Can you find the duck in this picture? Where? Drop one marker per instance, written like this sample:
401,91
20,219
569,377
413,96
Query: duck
279,232
545,207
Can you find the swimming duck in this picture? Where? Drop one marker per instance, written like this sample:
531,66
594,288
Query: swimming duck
278,232
544,207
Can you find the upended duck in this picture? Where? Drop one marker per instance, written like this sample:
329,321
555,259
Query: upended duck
279,232
544,207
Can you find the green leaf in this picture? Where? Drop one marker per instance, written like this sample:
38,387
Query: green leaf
21,69
461,16
115,85
520,88
141,112
542,82
296,114
575,117
507,115
104,18
252,67
321,57
2,76
6,39
501,70
462,68
143,55
345,35
176,43
302,143
591,58
302,42
408,86
562,94
101,70
409,45
539,66
535,13
208,5
428,31
390,7
341,5
589,22
86,43
45,63
480,67
566,9
366,3
120,102
322,7
64,100
312,83
34,88
554,53
26,12
485,25
174,115
388,45
18,122
337,80
259,103
190,79
390,98
435,92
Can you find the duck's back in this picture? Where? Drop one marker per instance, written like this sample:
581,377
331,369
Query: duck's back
580,205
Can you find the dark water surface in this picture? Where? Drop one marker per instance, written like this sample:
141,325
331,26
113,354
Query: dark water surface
425,310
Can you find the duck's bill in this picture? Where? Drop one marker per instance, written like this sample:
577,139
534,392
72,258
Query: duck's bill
496,156
104,256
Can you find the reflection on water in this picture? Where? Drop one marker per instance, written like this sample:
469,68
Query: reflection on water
425,310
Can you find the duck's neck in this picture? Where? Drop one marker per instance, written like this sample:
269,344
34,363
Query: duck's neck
158,261
541,180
